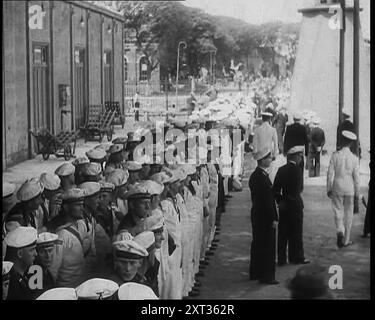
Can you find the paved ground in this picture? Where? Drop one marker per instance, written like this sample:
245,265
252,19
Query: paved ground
227,275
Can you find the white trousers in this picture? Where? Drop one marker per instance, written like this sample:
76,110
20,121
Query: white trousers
343,214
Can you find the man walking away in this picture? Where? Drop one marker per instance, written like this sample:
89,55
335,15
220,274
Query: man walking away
317,141
343,188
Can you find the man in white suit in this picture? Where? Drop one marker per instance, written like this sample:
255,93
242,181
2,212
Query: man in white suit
343,188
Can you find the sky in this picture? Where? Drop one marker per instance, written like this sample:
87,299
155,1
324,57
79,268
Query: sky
260,11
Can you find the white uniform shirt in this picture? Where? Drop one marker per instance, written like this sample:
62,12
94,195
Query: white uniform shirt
265,136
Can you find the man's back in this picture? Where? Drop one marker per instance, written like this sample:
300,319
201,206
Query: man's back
295,135
265,136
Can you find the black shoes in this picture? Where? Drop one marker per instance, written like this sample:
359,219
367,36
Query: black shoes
340,239
348,244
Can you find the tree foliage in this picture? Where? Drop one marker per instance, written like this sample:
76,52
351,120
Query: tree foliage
167,23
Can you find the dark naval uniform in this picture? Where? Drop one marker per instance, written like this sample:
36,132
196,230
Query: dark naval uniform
263,213
317,141
287,190
296,135
19,288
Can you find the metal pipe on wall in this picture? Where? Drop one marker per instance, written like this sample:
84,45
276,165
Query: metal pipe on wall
356,72
342,59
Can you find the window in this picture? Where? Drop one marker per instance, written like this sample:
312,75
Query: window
125,69
143,65
40,54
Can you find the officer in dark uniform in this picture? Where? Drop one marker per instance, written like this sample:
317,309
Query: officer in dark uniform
264,222
317,141
21,251
296,135
287,190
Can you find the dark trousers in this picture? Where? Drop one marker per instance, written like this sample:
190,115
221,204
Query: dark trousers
262,254
302,167
290,235
136,105
314,164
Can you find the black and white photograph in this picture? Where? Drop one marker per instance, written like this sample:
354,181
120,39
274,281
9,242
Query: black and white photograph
189,150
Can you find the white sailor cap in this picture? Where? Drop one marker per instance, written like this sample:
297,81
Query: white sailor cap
120,140
96,154
59,294
50,181
118,177
155,222
296,149
104,146
115,148
8,189
73,195
146,239
21,237
29,190
137,191
80,161
316,121
349,135
133,166
346,111
122,235
135,291
7,265
297,116
96,289
152,187
261,154
161,177
47,239
106,186
91,169
91,188
65,169
129,249
266,114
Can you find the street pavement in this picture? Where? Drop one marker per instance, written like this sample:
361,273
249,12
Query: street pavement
227,277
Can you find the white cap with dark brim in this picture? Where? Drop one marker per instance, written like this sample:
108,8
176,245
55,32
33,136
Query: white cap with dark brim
349,135
296,149
261,154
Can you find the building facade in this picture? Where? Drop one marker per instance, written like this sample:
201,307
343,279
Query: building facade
59,57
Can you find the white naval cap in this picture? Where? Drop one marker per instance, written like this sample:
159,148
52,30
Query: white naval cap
59,294
129,249
155,222
47,239
106,186
161,177
146,239
96,289
296,149
21,237
65,169
133,166
118,177
96,154
79,161
50,181
29,189
152,187
346,111
261,154
8,189
135,291
91,169
349,135
266,114
91,188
